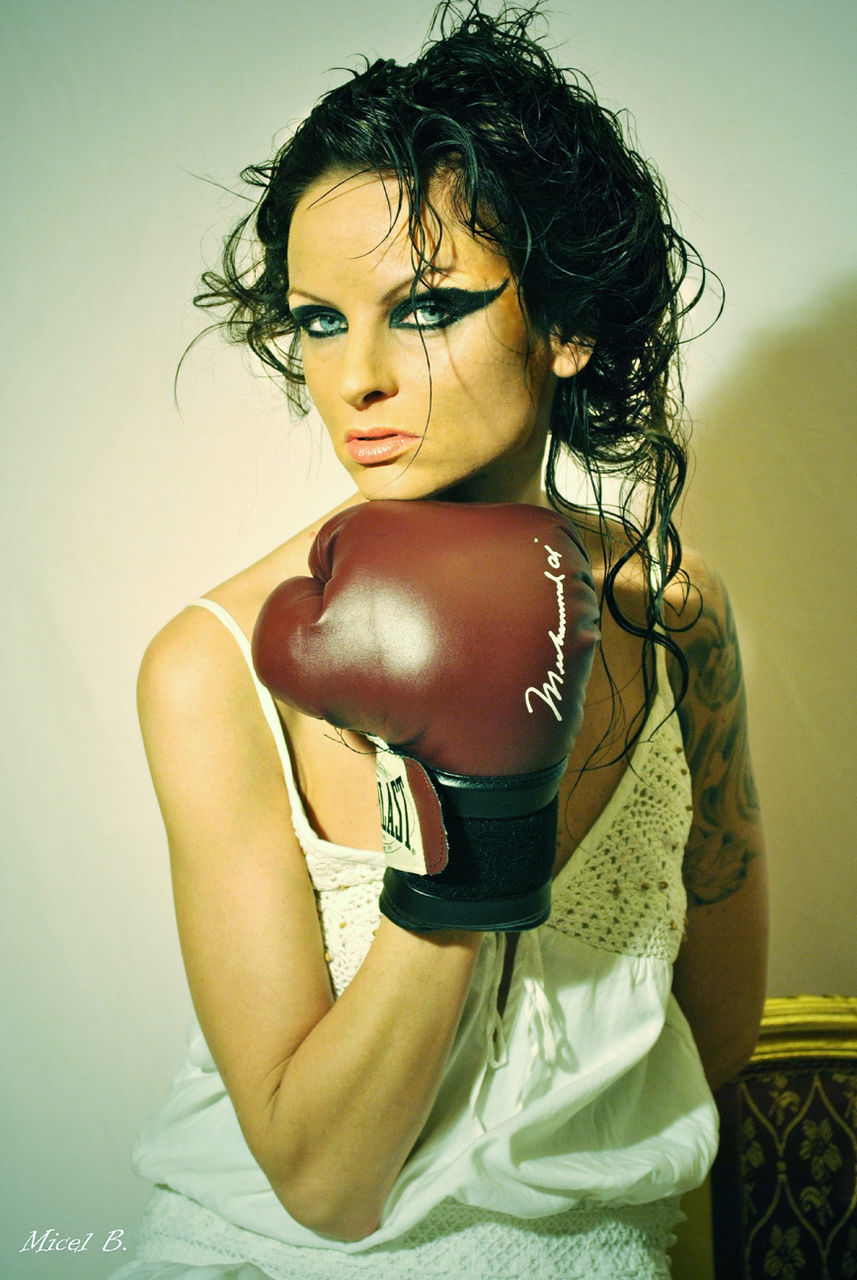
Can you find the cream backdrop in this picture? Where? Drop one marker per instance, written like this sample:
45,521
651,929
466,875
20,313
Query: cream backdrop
118,508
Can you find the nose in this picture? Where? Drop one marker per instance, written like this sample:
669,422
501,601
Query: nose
367,373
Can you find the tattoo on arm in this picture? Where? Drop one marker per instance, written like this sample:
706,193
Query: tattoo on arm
714,726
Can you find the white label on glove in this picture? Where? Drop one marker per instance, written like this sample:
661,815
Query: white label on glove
400,823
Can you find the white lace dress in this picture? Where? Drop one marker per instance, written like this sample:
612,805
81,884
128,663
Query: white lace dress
564,1130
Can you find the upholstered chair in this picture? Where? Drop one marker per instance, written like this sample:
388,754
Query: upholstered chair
783,1190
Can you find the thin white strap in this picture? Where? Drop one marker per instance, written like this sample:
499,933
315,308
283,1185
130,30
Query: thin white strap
662,681
662,675
269,709
231,625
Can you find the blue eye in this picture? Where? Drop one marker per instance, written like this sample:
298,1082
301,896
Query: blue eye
316,322
433,309
425,313
441,308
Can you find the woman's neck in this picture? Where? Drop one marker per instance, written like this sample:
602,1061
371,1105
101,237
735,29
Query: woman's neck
514,483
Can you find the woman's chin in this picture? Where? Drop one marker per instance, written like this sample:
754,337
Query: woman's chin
413,481
404,483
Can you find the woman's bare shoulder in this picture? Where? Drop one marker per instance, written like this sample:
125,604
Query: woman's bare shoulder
694,587
697,605
193,663
608,542
244,594
193,638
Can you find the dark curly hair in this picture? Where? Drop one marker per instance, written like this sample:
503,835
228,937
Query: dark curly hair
544,172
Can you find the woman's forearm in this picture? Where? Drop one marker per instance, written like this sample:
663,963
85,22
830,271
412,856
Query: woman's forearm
354,1097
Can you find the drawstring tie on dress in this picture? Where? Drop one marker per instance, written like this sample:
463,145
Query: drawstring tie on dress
535,1009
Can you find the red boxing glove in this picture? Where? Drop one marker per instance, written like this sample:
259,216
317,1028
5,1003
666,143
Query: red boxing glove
461,637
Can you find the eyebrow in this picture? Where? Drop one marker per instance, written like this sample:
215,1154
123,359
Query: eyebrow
404,285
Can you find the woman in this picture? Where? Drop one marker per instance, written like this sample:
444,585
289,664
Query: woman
465,263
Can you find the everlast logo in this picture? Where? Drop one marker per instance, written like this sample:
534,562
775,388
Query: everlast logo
400,819
394,811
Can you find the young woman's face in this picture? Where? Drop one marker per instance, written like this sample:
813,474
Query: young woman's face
476,428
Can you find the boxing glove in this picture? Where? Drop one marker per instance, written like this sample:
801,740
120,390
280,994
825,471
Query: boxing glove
459,638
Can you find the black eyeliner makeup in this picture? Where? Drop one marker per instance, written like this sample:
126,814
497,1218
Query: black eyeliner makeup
452,303
456,303
304,316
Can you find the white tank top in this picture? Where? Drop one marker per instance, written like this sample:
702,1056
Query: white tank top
587,1090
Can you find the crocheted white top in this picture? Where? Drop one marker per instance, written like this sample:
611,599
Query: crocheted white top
587,1093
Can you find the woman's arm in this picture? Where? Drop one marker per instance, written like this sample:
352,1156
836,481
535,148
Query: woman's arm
721,968
331,1095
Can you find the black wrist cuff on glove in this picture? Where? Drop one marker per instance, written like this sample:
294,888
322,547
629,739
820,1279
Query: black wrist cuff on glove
503,797
502,845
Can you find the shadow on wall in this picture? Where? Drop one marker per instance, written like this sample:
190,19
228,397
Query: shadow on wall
773,504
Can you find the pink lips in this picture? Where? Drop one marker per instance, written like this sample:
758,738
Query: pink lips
377,445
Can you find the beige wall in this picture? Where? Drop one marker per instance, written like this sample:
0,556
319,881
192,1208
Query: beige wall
774,503
117,509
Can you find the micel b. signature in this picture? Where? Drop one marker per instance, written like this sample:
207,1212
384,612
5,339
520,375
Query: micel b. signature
52,1241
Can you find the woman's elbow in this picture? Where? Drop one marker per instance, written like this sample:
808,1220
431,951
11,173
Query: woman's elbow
330,1196
724,1057
345,1219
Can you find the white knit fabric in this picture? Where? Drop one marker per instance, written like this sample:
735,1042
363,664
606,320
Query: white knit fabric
627,1243
347,897
623,890
569,1122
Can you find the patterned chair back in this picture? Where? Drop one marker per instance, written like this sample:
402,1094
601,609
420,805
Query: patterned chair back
784,1185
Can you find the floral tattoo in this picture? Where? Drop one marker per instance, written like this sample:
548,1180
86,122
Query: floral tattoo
714,726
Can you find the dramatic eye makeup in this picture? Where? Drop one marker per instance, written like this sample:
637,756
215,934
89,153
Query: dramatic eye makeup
439,308
318,322
426,311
